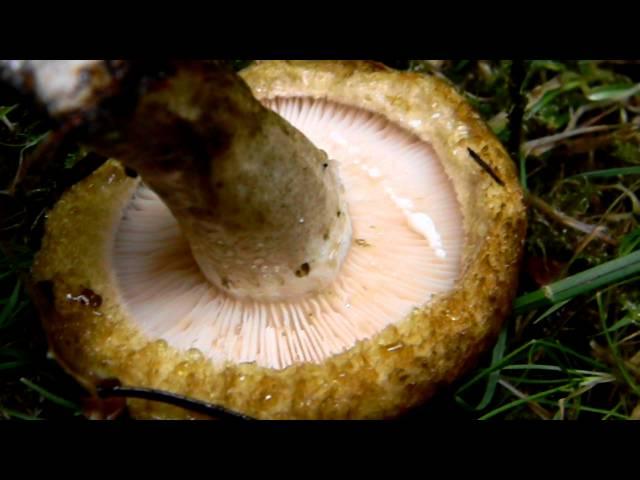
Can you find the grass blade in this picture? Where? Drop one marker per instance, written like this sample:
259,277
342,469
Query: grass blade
613,346
494,367
50,396
529,346
613,93
522,401
533,381
573,353
550,310
14,414
609,172
547,65
580,283
11,365
492,382
9,309
549,368
623,322
609,413
4,111
549,96
629,243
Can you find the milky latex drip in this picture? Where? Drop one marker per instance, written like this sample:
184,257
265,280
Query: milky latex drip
406,245
420,222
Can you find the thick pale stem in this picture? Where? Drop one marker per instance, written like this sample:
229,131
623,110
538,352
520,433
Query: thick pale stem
262,208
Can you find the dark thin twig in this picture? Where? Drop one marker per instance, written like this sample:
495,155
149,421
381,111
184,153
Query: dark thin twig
194,405
597,231
485,166
518,100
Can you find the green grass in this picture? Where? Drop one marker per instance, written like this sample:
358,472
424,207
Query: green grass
609,273
28,379
571,348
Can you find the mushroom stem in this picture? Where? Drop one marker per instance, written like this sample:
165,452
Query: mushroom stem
261,207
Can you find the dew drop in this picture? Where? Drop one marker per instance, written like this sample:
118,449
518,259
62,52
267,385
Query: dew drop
194,354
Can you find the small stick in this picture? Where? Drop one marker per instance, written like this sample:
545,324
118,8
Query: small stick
534,406
485,166
194,405
541,145
597,231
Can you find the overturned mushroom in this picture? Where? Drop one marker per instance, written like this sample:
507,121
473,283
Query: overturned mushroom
246,268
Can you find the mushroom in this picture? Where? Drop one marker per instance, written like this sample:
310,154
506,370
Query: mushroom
248,268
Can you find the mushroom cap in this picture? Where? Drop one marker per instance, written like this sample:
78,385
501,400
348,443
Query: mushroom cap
91,333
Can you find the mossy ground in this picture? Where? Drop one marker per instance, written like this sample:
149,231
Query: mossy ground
573,127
